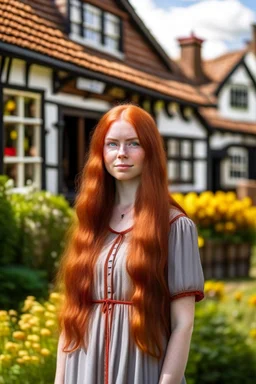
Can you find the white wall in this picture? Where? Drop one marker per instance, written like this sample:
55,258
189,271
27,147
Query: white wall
239,77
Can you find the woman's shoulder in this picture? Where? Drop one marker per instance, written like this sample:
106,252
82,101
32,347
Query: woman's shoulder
175,213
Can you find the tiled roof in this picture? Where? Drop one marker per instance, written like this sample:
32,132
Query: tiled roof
216,121
217,69
26,26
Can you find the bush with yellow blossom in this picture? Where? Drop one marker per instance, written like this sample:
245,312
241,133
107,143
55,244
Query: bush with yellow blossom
28,342
220,216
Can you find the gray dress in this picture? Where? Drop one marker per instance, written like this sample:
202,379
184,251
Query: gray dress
112,357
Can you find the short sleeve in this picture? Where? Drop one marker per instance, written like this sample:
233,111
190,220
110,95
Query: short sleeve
185,274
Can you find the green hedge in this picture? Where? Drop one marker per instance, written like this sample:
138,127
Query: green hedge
219,354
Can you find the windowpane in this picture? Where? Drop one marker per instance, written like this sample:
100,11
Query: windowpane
30,174
75,29
22,141
112,43
10,140
239,96
11,170
92,16
185,148
112,26
92,35
173,147
185,170
173,170
30,107
75,14
10,105
31,141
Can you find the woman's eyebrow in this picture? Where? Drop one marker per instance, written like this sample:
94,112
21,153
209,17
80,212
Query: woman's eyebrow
130,138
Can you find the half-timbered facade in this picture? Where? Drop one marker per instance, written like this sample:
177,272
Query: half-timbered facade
66,62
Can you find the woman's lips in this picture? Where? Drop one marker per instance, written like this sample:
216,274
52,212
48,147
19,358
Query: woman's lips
123,166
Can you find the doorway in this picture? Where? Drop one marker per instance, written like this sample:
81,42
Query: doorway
76,137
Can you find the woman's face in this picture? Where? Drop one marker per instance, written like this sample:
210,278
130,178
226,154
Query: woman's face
123,154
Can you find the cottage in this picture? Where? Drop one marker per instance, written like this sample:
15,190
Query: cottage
65,62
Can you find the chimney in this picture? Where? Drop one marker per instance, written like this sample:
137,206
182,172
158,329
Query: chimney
62,6
191,62
253,44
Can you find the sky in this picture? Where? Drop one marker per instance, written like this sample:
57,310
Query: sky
224,25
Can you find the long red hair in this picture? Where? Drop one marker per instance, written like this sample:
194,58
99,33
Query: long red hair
148,250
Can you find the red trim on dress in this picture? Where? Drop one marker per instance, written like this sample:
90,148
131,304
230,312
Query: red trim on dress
199,295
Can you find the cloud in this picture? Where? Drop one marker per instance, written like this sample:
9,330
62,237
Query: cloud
224,24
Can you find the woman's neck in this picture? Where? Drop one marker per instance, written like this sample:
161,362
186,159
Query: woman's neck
126,192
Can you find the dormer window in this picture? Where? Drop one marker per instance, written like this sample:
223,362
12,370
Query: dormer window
239,96
95,27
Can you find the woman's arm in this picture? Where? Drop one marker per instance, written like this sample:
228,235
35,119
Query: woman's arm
61,362
182,321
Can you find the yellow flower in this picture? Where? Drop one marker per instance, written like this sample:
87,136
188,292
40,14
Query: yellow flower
22,353
34,359
55,297
37,309
12,312
19,335
50,307
230,226
32,298
219,227
12,347
252,300
36,346
50,315
50,323
252,333
45,332
45,352
238,296
33,338
27,344
4,316
200,241
10,105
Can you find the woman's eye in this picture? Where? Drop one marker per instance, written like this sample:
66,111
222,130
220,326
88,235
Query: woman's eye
134,144
111,144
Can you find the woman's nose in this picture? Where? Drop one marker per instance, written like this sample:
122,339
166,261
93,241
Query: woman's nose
122,151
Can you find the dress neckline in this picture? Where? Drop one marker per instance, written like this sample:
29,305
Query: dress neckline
120,232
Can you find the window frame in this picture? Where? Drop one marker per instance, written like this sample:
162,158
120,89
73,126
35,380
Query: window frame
21,122
179,159
83,26
230,166
239,97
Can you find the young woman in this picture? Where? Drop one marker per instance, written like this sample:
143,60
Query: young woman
132,271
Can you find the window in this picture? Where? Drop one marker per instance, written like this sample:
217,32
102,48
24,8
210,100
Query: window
238,168
180,161
239,96
96,27
235,166
22,137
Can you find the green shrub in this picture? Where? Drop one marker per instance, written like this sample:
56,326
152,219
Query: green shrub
43,220
8,226
17,282
219,354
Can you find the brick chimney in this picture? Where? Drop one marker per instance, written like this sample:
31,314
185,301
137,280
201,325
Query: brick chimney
254,38
190,61
62,6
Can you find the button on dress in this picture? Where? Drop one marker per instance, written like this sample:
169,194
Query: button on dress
112,357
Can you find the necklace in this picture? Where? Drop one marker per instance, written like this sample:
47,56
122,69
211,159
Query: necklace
125,212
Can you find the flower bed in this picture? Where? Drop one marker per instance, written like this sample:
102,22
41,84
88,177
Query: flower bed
226,228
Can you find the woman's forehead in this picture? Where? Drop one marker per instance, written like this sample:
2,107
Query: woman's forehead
121,129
